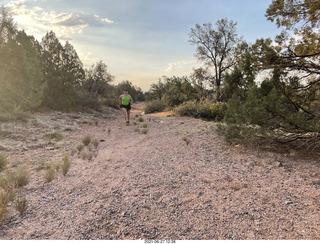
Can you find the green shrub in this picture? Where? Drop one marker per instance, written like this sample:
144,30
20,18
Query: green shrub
141,119
3,162
155,106
205,109
217,110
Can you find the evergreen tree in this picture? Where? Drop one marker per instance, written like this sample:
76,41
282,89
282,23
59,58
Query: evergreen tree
59,92
21,78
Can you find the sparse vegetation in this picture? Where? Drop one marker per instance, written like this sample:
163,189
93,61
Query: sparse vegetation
186,139
141,119
86,140
80,147
3,162
3,207
21,176
66,164
55,136
21,205
50,173
95,143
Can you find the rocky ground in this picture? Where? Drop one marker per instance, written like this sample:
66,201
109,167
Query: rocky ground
165,177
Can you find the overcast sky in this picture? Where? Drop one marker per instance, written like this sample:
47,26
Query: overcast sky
139,40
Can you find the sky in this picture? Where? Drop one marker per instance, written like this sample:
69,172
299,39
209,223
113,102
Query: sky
139,40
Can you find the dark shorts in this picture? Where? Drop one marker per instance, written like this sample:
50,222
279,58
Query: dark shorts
127,107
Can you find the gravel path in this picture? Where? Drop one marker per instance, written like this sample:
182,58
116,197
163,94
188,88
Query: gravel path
166,178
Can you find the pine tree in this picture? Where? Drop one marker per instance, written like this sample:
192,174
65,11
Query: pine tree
59,91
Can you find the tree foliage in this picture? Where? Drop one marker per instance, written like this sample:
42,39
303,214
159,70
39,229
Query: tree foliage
285,106
215,47
21,78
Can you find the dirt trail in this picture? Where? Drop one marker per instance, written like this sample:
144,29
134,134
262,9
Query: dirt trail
167,178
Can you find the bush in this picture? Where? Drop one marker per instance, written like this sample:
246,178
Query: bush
155,106
205,109
3,162
86,140
21,177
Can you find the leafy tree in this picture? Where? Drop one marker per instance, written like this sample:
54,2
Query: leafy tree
157,90
200,79
215,47
96,88
178,90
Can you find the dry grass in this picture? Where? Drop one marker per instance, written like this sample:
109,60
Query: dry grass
21,205
86,140
3,162
65,165
21,176
50,173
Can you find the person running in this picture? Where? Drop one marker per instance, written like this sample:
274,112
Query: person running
125,101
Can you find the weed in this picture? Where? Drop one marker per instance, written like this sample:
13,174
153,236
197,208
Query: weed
49,174
21,177
3,162
90,156
21,205
141,119
145,131
186,139
80,147
109,130
145,125
86,140
7,192
65,165
3,207
95,143
83,155
41,166
137,129
55,136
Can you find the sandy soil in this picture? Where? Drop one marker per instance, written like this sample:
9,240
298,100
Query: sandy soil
164,178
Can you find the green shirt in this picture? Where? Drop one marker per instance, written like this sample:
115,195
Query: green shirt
125,99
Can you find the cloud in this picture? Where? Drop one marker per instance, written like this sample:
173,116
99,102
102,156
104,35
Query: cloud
103,19
37,21
179,65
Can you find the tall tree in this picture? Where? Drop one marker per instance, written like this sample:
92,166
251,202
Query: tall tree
21,78
60,91
215,47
